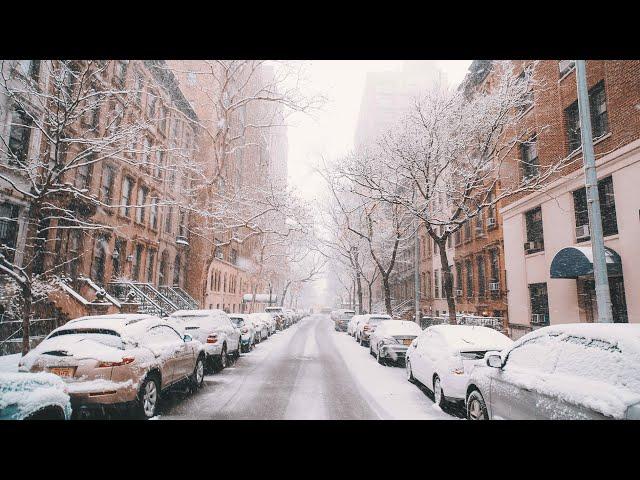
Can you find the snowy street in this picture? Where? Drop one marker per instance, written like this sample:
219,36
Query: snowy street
308,371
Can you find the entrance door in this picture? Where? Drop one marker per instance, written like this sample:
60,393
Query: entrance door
618,300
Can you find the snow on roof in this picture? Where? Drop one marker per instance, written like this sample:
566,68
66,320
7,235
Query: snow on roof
472,337
400,327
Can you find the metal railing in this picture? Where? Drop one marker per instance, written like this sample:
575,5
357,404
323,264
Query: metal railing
496,323
11,333
179,297
123,290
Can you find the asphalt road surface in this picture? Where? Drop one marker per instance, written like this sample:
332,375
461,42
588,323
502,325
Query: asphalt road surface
295,374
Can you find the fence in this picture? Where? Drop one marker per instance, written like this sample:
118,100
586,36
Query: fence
496,323
11,333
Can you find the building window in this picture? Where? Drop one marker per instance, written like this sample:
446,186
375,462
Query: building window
106,188
529,158
120,252
233,256
157,168
125,196
120,72
539,303
29,68
495,265
565,66
599,117
458,236
481,276
607,210
467,230
100,259
469,275
151,104
8,230
182,227
163,275
525,76
74,249
535,233
458,280
153,213
19,137
146,153
142,199
137,262
168,220
151,256
83,172
177,266
436,283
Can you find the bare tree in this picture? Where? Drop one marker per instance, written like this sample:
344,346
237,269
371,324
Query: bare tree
57,137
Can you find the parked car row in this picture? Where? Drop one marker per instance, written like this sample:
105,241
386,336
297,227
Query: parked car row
571,371
125,362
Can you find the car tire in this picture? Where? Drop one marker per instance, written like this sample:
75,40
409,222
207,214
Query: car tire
407,366
438,394
476,407
148,397
223,360
197,377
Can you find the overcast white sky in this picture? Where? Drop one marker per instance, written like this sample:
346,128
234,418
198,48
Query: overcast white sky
331,131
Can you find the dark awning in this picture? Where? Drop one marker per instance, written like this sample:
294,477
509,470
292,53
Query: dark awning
573,262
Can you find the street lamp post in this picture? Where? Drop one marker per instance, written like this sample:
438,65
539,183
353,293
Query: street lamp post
603,296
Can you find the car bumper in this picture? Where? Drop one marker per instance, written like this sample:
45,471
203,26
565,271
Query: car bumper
394,352
101,393
213,349
455,386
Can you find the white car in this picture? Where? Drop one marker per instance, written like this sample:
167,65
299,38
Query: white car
353,323
367,325
574,371
247,330
214,329
391,340
443,356
263,323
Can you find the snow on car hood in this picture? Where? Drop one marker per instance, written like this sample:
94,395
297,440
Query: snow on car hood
470,338
401,327
30,392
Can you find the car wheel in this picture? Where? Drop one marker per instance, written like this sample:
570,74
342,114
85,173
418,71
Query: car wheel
407,365
223,360
197,377
438,394
379,358
148,398
476,407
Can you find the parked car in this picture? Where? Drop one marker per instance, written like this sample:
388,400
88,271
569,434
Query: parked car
571,371
262,322
367,325
353,324
118,361
278,314
342,318
247,331
220,337
391,340
33,396
442,357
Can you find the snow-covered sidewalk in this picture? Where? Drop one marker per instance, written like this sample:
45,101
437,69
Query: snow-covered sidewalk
394,397
9,363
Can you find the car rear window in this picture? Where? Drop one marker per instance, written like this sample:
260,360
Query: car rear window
237,321
104,336
473,355
376,320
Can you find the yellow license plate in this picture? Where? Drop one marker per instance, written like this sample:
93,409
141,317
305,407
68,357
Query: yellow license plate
407,341
63,371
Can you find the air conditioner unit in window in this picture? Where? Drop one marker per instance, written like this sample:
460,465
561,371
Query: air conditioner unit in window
539,319
532,246
582,232
491,222
182,240
494,286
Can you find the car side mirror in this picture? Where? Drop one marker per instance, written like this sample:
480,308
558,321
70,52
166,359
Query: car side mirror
187,337
494,360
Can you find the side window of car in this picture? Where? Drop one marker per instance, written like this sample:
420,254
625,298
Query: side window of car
539,354
590,358
162,334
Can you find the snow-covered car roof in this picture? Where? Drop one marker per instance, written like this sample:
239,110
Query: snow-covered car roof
472,337
198,313
400,327
609,332
116,323
22,394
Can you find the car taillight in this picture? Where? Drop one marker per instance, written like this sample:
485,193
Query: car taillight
212,338
125,361
245,330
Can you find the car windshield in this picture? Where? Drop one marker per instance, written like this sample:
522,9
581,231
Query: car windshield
376,320
104,336
237,321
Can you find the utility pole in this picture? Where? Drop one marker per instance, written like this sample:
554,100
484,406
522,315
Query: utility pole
603,296
416,274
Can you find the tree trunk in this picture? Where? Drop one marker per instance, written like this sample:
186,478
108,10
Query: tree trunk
284,293
359,283
370,296
27,307
387,294
447,286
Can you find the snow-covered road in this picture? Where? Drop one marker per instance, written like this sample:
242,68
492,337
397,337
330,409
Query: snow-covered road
308,371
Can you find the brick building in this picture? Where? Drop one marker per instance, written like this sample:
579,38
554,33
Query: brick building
546,234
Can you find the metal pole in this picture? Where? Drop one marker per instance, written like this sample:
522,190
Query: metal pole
603,297
416,274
